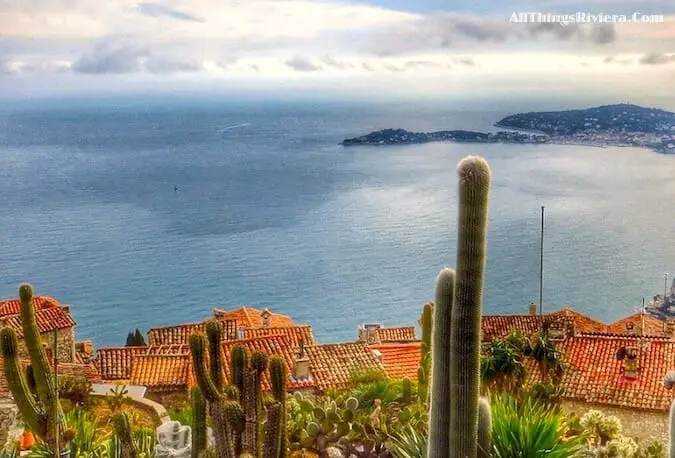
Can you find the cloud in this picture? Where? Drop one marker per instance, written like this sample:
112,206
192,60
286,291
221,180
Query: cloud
301,64
657,59
340,64
157,10
110,57
614,60
445,31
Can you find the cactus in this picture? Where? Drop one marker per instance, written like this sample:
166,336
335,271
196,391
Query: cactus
484,429
426,321
454,416
671,431
213,333
237,409
198,422
42,413
330,423
122,427
406,387
278,377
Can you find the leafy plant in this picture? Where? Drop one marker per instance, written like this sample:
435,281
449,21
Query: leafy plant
10,451
388,392
530,430
408,443
88,440
363,376
77,390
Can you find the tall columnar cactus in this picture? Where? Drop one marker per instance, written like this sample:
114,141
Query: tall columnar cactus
406,388
426,321
237,410
671,431
43,413
198,422
213,333
122,427
279,377
454,416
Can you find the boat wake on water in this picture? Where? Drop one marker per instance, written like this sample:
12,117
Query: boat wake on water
235,126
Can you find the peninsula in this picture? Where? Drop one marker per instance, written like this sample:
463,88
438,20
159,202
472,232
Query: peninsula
608,125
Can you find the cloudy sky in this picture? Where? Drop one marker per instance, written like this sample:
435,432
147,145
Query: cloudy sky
421,47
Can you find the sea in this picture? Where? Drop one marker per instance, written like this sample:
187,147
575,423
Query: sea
141,214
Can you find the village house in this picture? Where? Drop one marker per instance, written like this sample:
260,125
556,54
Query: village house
54,321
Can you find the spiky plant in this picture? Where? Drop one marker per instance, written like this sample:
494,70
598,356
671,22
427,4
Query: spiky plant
423,373
42,413
454,417
198,422
123,430
671,431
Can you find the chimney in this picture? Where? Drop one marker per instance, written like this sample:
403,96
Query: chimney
86,347
632,329
532,309
301,367
669,328
265,318
368,334
631,367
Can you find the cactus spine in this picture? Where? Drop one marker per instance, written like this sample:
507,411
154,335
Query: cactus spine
43,413
426,321
456,348
198,422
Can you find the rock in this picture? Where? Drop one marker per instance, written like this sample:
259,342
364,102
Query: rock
334,452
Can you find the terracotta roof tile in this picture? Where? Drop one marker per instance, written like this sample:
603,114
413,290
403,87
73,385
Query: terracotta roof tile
595,375
87,371
115,363
397,334
582,323
294,334
48,319
249,317
499,326
158,371
13,306
652,326
174,335
331,365
270,345
400,360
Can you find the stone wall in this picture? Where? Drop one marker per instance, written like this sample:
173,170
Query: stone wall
65,344
11,427
646,426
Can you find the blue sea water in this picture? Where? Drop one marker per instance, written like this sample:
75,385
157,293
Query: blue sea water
271,212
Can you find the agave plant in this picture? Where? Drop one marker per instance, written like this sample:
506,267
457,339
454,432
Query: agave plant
407,443
530,430
88,440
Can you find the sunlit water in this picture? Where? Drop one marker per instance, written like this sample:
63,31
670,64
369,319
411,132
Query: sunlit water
271,212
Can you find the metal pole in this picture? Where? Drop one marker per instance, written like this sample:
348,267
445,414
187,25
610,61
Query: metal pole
541,265
665,287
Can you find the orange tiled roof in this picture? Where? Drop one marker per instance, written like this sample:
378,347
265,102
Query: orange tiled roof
499,326
87,371
115,363
13,306
48,319
652,326
400,360
397,334
594,375
174,335
582,323
270,345
249,317
162,371
331,365
294,334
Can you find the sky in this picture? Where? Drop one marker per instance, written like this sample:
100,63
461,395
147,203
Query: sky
423,48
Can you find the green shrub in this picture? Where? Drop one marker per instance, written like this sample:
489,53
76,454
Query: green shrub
77,390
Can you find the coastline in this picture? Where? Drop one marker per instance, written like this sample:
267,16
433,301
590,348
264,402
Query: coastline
531,131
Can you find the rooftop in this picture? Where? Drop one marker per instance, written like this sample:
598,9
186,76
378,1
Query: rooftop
400,360
250,317
12,306
48,319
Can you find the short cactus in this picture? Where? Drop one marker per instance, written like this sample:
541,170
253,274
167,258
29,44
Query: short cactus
332,422
426,321
454,417
122,427
406,388
42,413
